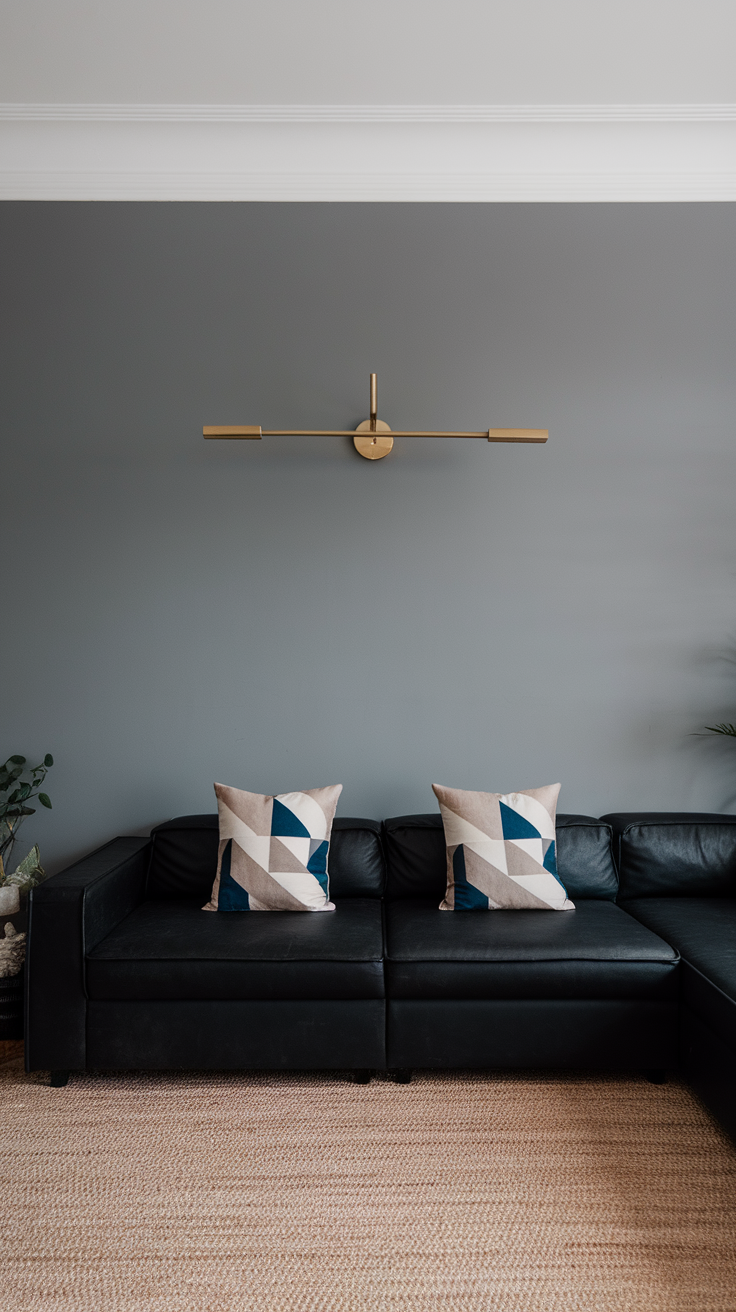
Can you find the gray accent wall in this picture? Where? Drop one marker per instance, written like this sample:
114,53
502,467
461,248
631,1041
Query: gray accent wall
284,614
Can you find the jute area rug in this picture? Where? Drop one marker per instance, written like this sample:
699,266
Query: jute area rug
460,1191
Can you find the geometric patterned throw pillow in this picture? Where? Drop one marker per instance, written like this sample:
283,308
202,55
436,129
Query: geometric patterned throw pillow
273,850
501,850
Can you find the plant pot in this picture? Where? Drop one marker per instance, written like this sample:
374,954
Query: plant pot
11,1006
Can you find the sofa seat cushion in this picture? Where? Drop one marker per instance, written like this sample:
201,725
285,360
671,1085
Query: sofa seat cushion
703,929
596,951
167,950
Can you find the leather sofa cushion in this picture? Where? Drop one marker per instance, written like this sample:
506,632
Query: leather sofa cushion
172,950
663,854
596,951
184,858
704,932
417,867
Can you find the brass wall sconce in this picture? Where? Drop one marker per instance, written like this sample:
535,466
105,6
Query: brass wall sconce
372,438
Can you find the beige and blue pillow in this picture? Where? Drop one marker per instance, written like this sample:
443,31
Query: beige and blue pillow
274,850
501,851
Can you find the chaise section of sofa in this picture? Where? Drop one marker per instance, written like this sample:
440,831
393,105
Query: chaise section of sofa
152,981
678,877
584,988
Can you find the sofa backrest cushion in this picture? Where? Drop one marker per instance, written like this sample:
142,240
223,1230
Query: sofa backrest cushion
184,858
416,862
674,854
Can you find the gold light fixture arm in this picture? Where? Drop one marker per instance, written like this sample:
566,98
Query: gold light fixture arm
488,434
373,438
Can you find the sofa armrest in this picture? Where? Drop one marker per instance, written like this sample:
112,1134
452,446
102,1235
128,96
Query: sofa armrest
69,914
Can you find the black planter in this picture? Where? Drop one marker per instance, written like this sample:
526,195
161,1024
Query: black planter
11,1006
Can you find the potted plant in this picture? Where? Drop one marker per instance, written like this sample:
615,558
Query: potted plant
16,792
728,729
14,808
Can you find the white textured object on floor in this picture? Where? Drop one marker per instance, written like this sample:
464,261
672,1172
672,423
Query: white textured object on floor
9,899
12,951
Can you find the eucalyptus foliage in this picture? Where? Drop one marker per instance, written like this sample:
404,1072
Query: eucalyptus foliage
15,794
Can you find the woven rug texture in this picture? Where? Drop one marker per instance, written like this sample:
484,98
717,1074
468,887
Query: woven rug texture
466,1192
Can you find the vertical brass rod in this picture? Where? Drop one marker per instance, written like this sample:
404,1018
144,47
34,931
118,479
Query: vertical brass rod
374,400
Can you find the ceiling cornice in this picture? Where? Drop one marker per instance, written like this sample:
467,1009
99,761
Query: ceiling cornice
423,153
558,113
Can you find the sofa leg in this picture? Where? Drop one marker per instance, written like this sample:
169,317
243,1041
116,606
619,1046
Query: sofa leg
362,1077
656,1076
402,1076
59,1079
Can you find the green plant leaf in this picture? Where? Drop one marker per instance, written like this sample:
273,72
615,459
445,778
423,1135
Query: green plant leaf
44,800
30,871
48,760
729,730
17,760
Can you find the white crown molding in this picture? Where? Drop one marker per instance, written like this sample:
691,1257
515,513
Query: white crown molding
159,113
483,153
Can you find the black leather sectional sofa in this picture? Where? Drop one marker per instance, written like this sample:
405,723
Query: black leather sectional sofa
677,876
125,971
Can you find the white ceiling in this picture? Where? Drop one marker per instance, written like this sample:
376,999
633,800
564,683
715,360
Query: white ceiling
387,52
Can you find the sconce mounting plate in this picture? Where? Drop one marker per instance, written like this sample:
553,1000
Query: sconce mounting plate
369,440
